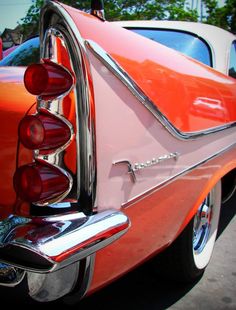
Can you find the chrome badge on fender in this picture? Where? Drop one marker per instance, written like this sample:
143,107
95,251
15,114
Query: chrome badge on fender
139,166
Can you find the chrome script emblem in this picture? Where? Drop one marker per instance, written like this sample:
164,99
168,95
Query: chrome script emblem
139,166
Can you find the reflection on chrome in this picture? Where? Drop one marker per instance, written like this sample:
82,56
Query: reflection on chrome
10,276
45,244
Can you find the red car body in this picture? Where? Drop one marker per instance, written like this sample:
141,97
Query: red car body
125,148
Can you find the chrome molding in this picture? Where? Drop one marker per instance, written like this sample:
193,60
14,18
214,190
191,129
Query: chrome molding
54,107
131,171
174,177
98,13
97,9
71,283
82,286
123,76
60,24
52,286
46,244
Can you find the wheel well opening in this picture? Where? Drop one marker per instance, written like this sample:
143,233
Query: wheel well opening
228,184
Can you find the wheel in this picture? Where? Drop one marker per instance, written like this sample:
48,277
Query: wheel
191,252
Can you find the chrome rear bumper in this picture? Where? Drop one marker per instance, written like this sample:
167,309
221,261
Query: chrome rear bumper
37,250
46,244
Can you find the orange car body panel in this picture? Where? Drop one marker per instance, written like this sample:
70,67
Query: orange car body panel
186,99
15,101
192,102
160,216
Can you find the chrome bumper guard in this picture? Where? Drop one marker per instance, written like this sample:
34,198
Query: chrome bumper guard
46,244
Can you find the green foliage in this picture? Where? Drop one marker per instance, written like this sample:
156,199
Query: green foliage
224,17
143,9
30,22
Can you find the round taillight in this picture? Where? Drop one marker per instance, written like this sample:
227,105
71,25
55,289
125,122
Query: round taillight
47,79
39,183
44,132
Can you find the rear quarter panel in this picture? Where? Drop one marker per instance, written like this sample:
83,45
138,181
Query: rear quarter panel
194,99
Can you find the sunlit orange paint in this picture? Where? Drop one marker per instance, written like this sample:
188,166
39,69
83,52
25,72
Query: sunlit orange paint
193,97
14,104
157,219
174,87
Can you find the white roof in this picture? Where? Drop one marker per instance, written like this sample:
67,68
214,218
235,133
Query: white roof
217,38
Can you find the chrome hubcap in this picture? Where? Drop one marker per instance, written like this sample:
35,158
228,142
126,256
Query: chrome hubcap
202,226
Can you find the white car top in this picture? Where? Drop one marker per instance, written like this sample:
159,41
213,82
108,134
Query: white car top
219,40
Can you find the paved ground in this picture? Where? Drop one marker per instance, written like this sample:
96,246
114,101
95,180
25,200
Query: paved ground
145,289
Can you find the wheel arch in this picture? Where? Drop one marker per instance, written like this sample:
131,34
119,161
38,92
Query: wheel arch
228,183
223,175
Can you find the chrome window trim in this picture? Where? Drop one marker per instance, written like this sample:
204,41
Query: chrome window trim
123,76
233,43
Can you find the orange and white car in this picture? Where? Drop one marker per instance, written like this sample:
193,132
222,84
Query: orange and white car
113,149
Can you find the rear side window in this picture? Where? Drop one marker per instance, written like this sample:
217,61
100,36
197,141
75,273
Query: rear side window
184,42
232,61
24,55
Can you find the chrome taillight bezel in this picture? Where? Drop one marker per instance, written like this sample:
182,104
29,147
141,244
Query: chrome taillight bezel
83,192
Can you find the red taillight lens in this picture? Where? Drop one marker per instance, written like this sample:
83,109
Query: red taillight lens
43,132
47,79
37,182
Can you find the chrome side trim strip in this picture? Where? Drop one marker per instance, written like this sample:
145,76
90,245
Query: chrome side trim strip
123,76
174,177
46,244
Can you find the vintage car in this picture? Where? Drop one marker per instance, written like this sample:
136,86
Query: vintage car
4,53
114,148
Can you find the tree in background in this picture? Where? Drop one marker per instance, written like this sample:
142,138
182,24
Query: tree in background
224,17
118,10
31,21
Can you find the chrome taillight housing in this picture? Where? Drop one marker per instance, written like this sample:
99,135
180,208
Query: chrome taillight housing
61,132
48,133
